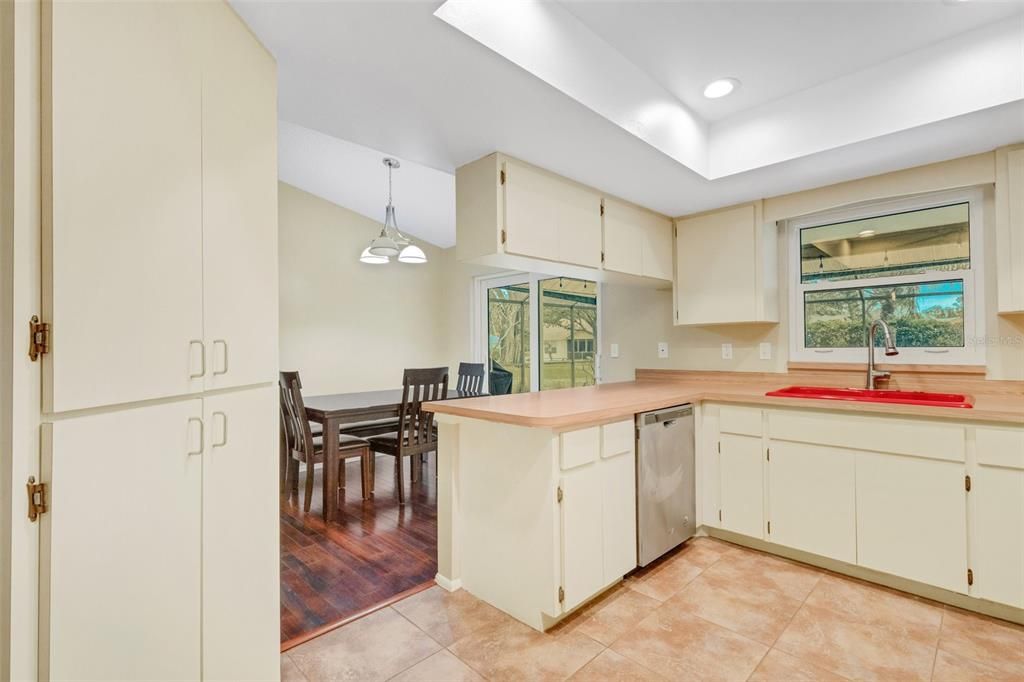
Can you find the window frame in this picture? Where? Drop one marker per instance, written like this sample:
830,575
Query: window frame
973,351
478,316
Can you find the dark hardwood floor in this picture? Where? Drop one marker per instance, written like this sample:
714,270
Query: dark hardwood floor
372,552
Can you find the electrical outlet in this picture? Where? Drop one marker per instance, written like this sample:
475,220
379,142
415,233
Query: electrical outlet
766,351
727,351
614,350
662,349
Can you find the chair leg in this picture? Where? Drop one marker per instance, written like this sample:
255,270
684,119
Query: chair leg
400,480
308,501
414,468
293,475
341,473
364,470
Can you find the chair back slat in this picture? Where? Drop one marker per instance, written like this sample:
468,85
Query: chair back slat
471,378
300,433
420,386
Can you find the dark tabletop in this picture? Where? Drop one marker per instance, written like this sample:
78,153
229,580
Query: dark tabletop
364,403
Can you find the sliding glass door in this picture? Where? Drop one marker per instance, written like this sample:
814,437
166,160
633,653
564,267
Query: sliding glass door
568,332
508,337
540,332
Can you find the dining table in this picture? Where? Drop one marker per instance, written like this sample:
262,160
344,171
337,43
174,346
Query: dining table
362,409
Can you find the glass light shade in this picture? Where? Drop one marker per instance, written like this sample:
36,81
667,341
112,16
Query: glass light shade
383,246
412,254
369,258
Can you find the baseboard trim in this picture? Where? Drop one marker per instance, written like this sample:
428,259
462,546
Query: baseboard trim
448,584
960,601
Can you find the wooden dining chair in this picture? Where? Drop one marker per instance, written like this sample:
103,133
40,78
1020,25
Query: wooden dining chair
471,378
416,435
308,449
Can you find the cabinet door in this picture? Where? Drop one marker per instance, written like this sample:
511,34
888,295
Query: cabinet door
122,232
582,535
618,476
123,539
911,518
811,499
623,238
551,218
241,607
716,277
657,248
741,474
239,118
1009,204
997,528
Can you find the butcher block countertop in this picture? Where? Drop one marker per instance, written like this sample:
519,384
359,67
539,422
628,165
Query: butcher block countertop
578,407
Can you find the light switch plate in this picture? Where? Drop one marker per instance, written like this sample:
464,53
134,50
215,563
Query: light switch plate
766,351
614,350
662,349
727,351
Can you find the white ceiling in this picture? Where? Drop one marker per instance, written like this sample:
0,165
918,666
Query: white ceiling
391,76
774,48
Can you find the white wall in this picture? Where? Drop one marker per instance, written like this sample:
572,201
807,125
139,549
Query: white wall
347,326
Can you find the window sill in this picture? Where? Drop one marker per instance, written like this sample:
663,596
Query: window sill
970,370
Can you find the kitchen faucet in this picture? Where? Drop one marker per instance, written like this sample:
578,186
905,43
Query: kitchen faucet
890,350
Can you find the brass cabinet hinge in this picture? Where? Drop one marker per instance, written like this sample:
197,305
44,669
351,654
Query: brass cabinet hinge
501,177
558,494
39,338
970,577
769,528
768,454
719,447
719,514
967,483
36,498
675,230
561,595
602,256
503,236
602,209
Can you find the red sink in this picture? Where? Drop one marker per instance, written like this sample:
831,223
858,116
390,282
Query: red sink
869,396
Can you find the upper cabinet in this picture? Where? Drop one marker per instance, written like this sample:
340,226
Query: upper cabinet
239,203
1009,201
726,270
636,241
159,202
512,214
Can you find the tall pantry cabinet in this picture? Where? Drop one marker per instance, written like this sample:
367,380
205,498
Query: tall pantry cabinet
159,547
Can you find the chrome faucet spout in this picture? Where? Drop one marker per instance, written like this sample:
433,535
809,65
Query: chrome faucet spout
890,350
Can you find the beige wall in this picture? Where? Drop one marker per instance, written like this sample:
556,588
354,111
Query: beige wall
347,326
700,347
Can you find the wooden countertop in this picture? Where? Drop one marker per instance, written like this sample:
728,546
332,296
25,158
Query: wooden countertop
577,407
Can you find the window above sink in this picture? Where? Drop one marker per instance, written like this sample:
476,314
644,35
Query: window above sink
914,263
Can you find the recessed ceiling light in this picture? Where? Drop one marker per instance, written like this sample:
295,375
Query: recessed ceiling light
866,233
720,87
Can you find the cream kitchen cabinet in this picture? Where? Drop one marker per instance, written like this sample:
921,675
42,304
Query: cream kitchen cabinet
1009,204
513,215
812,499
160,268
726,270
162,551
239,203
636,241
997,516
911,520
741,471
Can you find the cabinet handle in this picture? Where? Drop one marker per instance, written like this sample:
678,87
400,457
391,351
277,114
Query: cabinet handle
202,356
225,344
224,429
202,436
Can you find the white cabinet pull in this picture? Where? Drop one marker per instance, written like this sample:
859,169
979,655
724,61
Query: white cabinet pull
223,429
202,436
225,345
202,356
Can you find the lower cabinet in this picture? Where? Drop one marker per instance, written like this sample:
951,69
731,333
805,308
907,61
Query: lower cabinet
812,499
598,509
997,529
161,549
741,493
911,519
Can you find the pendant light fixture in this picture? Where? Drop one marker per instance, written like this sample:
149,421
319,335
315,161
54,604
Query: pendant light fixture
391,242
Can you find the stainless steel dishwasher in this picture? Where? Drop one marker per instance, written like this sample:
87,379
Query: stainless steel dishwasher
666,495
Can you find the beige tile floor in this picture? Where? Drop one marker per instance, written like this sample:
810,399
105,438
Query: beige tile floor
709,611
